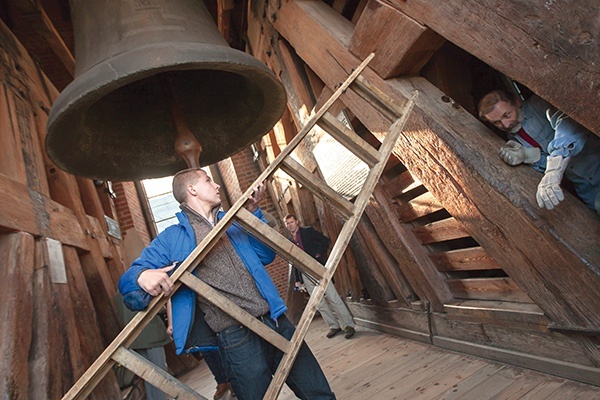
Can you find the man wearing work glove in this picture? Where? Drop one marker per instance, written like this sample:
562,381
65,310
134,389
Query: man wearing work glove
551,142
515,153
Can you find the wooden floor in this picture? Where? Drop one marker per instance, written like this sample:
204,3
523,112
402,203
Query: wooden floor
375,366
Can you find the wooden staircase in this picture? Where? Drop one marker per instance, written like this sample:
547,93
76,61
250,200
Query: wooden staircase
118,350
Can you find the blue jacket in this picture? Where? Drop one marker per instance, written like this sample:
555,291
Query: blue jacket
175,243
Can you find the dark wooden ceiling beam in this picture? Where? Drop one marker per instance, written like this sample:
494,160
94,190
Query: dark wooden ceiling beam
402,46
32,12
551,47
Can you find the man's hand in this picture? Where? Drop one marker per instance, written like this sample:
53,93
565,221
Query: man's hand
156,281
514,153
549,193
255,198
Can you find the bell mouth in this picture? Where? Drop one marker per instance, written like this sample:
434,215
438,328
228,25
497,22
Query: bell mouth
113,122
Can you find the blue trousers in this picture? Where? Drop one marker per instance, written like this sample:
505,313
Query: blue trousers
250,363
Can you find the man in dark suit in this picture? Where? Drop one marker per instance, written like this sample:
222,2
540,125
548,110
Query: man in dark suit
331,307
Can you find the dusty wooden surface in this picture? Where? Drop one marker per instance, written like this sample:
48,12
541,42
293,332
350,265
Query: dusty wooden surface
512,34
374,365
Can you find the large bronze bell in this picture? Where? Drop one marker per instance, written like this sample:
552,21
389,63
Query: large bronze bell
137,60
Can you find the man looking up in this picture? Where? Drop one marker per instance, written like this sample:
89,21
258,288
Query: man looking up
550,141
331,307
236,268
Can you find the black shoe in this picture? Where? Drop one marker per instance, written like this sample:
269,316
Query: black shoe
350,331
332,332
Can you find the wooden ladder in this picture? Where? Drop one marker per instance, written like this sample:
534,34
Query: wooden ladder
118,351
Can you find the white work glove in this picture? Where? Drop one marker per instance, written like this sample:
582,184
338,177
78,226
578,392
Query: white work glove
515,153
549,193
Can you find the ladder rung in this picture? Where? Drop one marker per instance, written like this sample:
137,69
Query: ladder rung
245,318
349,139
377,98
280,244
154,375
317,186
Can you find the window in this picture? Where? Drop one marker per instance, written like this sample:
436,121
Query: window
163,205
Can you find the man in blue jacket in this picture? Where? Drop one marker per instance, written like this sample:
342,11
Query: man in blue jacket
236,268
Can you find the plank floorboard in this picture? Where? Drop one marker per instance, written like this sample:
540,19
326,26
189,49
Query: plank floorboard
379,366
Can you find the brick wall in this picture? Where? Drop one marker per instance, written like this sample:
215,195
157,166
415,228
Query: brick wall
129,211
247,170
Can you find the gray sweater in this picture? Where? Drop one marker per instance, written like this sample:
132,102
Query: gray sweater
224,270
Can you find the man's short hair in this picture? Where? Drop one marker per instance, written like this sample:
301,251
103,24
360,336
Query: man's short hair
181,180
487,102
290,216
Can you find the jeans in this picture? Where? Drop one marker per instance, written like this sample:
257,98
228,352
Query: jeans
203,339
250,363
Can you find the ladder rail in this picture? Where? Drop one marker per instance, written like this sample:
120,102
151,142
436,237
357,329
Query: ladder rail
117,350
337,251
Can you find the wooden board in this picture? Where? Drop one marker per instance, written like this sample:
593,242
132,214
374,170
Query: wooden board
501,289
467,259
523,33
38,214
16,258
439,231
374,365
401,44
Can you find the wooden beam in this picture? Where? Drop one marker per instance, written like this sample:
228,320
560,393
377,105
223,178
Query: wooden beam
427,282
16,258
38,215
319,187
11,153
418,207
386,263
402,46
520,39
224,8
376,284
400,184
440,231
349,139
154,375
496,312
494,202
41,24
469,259
499,289
566,369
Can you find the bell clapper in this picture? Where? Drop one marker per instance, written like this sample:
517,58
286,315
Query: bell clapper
187,147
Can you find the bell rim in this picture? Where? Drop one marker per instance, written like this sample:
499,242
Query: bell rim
81,92
113,74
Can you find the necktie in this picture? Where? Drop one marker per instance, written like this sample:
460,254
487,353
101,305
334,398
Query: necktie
528,138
